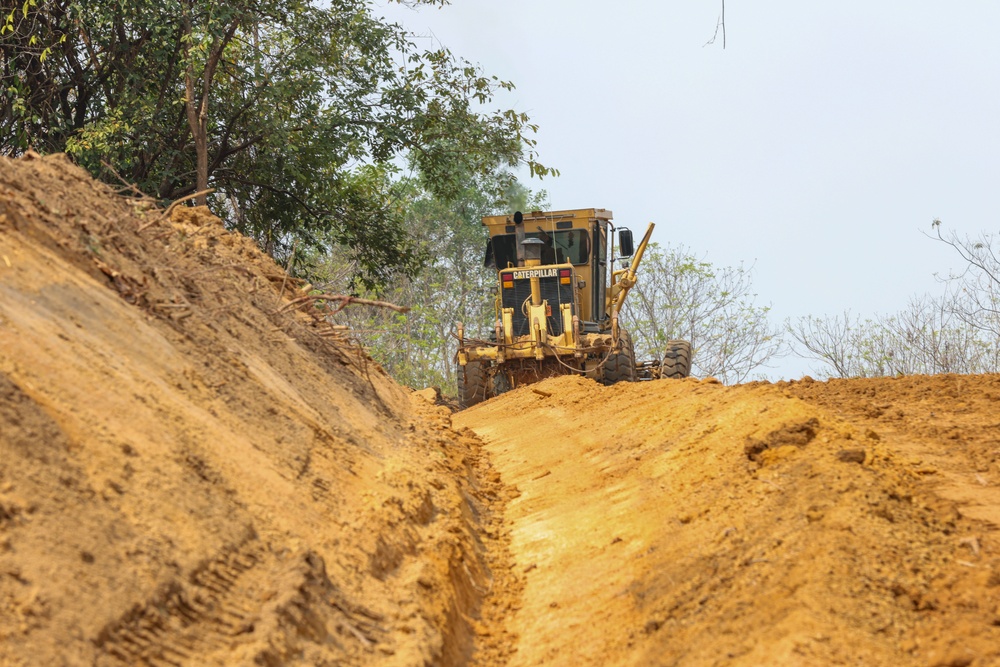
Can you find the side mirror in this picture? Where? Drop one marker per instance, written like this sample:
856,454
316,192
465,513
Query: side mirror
625,245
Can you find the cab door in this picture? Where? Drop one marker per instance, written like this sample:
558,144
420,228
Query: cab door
599,267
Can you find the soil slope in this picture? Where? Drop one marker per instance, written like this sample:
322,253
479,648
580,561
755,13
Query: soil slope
194,473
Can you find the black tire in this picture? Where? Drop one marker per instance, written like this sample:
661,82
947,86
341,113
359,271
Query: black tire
676,360
472,384
620,365
501,383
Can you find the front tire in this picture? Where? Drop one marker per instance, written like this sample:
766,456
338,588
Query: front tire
620,364
472,384
676,360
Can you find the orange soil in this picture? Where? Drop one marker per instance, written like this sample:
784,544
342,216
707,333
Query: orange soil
688,523
193,473
189,476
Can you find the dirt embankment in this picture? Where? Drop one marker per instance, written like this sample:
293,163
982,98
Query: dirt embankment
687,523
191,475
194,472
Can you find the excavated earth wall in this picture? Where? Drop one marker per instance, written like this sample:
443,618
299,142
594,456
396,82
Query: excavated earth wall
195,469
191,475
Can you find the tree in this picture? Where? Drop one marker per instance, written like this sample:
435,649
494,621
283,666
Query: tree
830,340
202,51
978,284
924,338
956,332
291,109
681,297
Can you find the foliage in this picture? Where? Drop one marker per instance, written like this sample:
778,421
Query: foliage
294,111
681,297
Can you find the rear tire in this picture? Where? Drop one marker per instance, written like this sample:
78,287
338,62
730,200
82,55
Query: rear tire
676,360
620,365
472,384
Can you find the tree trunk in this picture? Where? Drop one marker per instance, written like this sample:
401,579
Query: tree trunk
197,110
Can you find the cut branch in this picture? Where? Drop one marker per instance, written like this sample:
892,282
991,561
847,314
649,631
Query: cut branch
344,301
169,209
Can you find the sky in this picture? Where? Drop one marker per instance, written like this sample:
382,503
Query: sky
817,146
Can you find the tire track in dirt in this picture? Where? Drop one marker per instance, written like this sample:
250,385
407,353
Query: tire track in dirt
186,619
246,603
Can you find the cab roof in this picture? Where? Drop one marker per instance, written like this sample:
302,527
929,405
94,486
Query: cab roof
580,213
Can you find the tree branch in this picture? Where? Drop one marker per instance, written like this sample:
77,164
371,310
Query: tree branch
344,301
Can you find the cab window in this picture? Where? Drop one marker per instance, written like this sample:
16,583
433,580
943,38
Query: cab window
567,246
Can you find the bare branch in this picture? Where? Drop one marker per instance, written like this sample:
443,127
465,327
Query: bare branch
720,24
344,300
169,209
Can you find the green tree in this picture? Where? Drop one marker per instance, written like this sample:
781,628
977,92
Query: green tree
681,297
293,110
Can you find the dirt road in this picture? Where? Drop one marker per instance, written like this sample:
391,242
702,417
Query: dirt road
687,523
196,470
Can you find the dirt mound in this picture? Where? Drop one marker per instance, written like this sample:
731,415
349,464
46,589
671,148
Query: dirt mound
688,523
191,472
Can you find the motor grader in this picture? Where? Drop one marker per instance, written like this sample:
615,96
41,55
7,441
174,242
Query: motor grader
558,303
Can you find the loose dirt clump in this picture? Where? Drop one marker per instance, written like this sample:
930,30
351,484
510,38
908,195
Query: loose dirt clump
789,435
192,473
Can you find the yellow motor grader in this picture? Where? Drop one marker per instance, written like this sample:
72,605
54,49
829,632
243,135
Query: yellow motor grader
557,306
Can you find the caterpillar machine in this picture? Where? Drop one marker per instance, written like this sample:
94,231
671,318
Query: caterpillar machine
557,306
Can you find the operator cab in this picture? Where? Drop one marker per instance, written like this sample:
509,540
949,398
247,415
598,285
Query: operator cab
575,239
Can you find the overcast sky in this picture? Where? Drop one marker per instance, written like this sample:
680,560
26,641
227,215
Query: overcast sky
816,146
